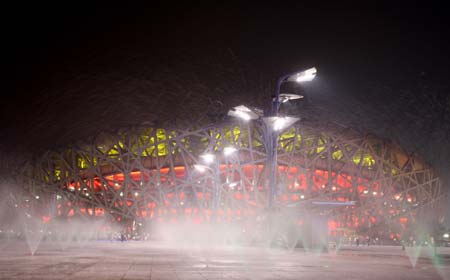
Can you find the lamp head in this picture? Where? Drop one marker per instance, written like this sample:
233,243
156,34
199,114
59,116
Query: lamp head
208,158
227,151
285,97
244,113
200,167
304,76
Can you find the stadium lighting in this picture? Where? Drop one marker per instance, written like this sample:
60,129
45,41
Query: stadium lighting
200,167
232,185
446,235
208,158
227,151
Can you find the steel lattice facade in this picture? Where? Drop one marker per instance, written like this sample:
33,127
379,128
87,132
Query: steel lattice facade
149,174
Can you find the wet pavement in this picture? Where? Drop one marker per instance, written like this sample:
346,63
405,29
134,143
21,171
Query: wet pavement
145,260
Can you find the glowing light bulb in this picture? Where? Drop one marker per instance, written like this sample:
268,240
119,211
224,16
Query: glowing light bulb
208,158
227,151
200,168
306,76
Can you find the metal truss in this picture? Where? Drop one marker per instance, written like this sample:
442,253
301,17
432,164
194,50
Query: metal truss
148,174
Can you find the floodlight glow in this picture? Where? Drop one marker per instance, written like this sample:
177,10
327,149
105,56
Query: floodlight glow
207,158
306,76
243,115
243,112
229,151
200,168
446,235
280,123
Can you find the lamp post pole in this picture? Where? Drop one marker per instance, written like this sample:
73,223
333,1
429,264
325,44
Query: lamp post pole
272,140
273,124
272,133
276,100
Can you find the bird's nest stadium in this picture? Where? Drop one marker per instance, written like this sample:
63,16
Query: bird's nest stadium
156,175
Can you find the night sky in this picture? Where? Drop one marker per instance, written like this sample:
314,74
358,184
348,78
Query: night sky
60,60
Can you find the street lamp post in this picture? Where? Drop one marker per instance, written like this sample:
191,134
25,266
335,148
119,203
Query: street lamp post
272,131
211,162
299,77
274,123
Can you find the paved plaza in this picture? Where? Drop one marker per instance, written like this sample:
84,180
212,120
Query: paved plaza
145,260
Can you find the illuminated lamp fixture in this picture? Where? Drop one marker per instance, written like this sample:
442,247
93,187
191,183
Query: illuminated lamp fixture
303,76
200,168
244,113
279,123
207,158
232,185
285,97
227,151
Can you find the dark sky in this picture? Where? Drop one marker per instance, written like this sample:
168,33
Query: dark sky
391,42
354,47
